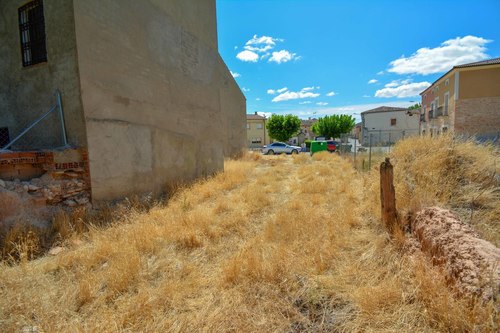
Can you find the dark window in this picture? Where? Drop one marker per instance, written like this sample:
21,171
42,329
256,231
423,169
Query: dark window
393,122
4,136
32,31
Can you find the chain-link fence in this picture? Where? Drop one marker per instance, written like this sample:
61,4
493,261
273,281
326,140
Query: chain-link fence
45,132
372,146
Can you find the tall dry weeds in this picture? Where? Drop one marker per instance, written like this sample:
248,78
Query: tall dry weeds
278,243
455,174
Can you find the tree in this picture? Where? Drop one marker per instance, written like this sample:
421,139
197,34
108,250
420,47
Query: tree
416,106
283,127
334,125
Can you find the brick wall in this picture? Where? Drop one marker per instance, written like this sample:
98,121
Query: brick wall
478,116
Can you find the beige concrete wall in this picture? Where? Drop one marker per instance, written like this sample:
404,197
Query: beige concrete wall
478,116
157,101
28,92
233,109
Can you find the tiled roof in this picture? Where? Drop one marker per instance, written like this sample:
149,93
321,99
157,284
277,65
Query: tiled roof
480,63
384,109
308,122
255,117
494,61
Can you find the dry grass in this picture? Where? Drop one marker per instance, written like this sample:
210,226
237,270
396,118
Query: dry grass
453,174
273,244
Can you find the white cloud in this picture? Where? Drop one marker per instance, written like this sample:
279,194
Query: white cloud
372,81
248,56
403,90
257,99
274,91
396,83
264,114
331,93
235,75
282,56
366,96
305,102
261,47
322,103
380,73
262,41
452,52
289,95
245,89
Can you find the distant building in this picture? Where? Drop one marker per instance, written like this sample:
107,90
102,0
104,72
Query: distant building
465,101
305,133
386,125
356,131
257,135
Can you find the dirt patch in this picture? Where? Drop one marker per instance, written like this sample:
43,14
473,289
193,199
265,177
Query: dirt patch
471,263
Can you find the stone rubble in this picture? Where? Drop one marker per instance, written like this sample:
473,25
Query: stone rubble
67,189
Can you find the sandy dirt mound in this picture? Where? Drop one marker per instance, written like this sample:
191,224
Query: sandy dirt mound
472,263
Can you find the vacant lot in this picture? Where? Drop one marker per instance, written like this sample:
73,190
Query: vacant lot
273,244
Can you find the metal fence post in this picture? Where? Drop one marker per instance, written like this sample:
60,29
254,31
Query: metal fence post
61,116
354,158
370,153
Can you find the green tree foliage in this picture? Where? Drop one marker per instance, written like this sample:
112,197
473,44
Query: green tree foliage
283,127
416,106
334,125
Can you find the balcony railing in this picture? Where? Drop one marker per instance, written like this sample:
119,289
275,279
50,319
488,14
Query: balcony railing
436,113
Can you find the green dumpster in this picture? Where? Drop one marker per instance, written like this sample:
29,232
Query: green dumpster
317,146
328,145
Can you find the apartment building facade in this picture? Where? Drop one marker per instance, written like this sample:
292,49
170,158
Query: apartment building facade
257,135
465,101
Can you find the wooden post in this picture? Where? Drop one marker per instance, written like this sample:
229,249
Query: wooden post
388,196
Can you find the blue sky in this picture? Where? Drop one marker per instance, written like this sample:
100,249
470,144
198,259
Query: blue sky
318,57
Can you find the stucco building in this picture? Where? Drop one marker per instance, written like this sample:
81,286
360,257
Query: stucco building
465,101
305,132
145,95
386,125
257,135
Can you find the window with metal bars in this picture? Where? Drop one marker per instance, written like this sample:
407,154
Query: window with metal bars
32,31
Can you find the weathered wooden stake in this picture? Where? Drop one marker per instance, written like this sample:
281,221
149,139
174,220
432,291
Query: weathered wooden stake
388,196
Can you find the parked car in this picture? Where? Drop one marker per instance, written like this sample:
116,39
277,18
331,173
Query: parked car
332,146
280,148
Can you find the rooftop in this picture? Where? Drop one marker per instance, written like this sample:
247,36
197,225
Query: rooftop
384,109
255,117
480,63
494,61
